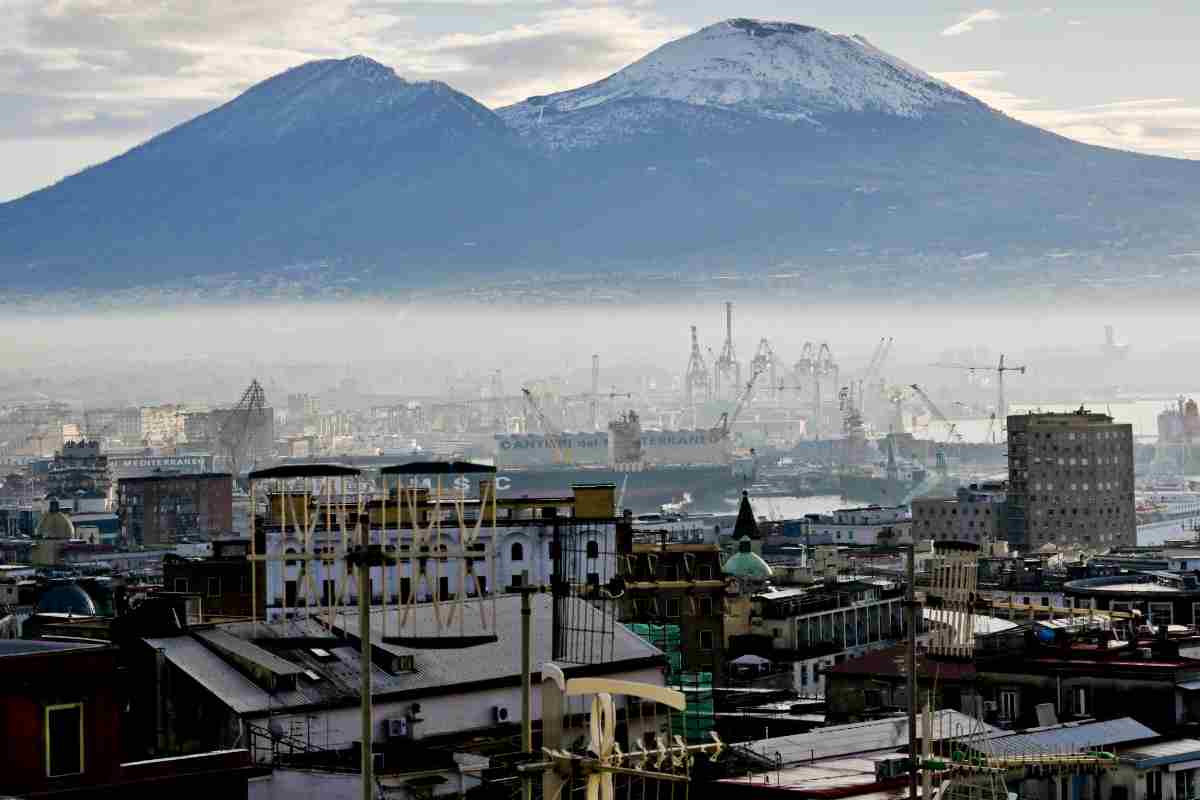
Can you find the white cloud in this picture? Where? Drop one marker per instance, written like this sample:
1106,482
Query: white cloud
968,23
1164,126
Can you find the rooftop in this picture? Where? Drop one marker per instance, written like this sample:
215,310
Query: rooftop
293,648
1069,737
867,737
29,647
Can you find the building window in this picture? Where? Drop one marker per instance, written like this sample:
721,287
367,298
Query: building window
673,607
214,587
1154,785
705,572
181,584
1079,701
64,740
593,549
1010,705
1160,614
706,640
706,606
517,553
444,588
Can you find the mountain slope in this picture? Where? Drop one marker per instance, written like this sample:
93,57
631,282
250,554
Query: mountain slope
745,145
776,70
330,159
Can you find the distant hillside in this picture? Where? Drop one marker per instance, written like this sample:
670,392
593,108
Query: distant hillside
746,144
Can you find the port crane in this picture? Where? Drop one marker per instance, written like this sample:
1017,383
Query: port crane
999,369
697,384
765,360
726,369
727,418
553,435
237,433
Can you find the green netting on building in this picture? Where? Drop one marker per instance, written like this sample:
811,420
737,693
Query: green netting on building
697,722
665,638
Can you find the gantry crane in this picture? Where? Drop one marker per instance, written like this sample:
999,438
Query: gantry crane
726,370
697,385
765,361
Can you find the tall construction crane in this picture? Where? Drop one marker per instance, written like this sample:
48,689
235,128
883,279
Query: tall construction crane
594,404
1000,369
727,373
697,384
236,437
553,435
725,423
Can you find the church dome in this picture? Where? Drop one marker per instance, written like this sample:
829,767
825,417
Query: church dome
54,524
745,564
66,598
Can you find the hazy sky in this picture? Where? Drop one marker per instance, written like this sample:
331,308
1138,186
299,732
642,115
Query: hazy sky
82,80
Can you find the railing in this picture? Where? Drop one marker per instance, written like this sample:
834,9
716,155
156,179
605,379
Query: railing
271,747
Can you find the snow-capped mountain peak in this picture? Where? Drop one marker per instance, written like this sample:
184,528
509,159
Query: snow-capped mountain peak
779,70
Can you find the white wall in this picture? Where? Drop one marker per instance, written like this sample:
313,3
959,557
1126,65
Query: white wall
535,551
450,713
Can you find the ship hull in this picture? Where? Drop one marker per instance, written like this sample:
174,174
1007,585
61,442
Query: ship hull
641,492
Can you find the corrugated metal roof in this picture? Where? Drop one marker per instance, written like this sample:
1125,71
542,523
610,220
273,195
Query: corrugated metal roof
433,668
984,625
1163,753
1070,737
865,737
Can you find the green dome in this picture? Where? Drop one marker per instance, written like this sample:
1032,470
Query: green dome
747,565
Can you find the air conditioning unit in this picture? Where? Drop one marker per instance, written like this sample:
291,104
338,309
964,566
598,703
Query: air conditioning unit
397,728
500,713
891,767
1146,653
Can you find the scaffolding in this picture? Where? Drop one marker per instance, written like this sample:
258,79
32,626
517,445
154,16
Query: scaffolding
697,721
665,638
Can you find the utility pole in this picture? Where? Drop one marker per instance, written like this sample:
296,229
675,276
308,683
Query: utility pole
364,657
911,664
527,593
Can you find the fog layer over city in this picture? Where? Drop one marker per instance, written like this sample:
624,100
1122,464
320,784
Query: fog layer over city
208,354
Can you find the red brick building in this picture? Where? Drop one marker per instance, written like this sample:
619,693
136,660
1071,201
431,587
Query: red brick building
163,509
61,711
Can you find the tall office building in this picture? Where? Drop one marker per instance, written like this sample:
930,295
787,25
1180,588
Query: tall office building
1070,481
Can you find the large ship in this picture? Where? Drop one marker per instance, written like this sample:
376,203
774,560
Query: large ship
650,468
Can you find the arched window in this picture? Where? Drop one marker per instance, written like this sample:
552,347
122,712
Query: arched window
518,552
593,549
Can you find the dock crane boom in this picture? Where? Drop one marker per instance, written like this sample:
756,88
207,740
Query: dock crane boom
728,418
553,435
937,412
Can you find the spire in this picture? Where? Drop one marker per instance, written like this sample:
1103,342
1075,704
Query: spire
746,525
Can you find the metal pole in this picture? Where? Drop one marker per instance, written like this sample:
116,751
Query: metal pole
911,664
364,639
526,679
